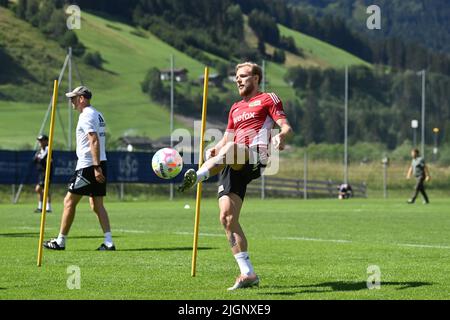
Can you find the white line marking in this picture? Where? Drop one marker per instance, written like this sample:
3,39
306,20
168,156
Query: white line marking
312,239
129,231
422,246
410,245
200,234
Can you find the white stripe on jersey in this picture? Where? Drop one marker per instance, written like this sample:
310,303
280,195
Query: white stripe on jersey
275,98
264,134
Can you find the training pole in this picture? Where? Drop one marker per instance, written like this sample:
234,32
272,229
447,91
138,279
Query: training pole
200,162
47,172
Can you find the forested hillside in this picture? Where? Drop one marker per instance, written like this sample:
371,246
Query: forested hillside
123,46
414,21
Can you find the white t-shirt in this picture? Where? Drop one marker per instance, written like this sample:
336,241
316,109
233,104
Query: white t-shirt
90,120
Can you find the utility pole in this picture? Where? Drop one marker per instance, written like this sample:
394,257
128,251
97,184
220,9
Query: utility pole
171,111
423,112
263,87
346,128
69,109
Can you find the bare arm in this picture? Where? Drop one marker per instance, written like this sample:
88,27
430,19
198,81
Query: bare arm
427,173
227,137
410,170
95,152
286,131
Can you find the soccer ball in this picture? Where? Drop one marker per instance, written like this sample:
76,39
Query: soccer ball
167,163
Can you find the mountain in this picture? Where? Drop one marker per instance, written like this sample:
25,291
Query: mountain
30,61
414,21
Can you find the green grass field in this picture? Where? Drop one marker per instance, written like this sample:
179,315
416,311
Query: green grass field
318,249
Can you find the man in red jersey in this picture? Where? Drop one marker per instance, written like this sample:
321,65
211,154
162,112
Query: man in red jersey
239,158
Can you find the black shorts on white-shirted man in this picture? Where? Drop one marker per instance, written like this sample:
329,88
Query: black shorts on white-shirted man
83,182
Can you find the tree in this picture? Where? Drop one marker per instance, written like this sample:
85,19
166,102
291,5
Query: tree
70,39
153,85
32,9
279,56
45,12
311,128
261,47
264,26
288,43
333,124
93,59
235,22
21,8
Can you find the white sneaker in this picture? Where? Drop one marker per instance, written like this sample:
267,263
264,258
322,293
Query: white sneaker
244,281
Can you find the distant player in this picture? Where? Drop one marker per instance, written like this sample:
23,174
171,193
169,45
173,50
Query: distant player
345,191
239,158
89,178
40,159
422,174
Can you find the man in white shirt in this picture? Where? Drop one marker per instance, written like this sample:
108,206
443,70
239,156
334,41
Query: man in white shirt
89,178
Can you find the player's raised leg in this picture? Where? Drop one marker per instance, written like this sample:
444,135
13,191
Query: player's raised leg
233,154
230,207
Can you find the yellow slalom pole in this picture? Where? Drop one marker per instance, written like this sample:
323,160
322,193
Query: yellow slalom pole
47,172
200,162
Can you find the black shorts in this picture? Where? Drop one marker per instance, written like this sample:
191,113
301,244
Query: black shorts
83,182
232,181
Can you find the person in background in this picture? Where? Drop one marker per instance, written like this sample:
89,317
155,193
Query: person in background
421,173
40,159
345,191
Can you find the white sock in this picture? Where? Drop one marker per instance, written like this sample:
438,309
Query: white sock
40,205
108,239
61,240
202,174
243,260
49,206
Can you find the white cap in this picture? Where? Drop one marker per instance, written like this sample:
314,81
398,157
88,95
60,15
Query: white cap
80,91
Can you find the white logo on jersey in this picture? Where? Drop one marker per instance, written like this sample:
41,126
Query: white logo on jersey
255,103
244,116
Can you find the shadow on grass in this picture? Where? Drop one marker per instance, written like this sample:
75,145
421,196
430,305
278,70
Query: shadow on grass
36,234
340,286
167,249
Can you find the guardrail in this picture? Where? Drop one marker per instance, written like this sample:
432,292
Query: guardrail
296,188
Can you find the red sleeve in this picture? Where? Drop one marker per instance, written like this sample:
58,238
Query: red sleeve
276,110
230,126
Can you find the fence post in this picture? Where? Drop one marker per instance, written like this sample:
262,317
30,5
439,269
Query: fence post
13,189
121,191
305,176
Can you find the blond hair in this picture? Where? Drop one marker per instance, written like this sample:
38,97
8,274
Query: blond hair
256,69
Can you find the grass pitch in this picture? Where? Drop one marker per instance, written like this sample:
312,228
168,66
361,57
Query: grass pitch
318,249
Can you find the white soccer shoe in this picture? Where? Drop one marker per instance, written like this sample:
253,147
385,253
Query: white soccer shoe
244,281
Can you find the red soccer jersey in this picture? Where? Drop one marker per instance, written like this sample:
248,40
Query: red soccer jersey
251,121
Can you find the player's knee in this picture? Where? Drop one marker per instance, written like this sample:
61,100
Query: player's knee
226,219
38,189
68,202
